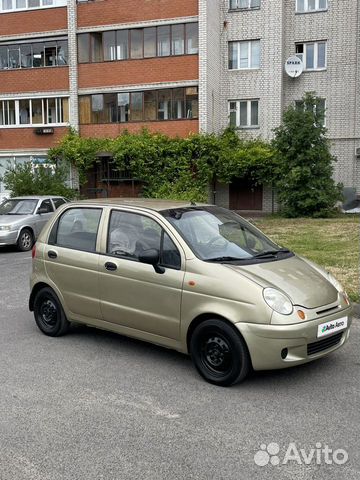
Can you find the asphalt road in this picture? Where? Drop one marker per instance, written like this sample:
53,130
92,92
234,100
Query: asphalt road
93,405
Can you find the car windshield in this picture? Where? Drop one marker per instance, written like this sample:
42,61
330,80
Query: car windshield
18,206
219,235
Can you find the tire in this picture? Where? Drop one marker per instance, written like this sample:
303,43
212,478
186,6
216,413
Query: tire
49,314
219,353
26,240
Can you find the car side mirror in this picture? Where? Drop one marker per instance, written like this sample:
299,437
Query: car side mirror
41,210
152,257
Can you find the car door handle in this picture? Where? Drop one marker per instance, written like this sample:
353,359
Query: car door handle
110,266
52,254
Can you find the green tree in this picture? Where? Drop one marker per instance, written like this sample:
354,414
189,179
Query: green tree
24,179
304,164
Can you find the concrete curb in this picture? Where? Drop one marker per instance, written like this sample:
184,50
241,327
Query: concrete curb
356,309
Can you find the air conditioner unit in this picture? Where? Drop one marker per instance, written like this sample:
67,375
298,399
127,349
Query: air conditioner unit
357,152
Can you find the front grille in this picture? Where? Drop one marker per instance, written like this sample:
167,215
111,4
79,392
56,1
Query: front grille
327,310
324,344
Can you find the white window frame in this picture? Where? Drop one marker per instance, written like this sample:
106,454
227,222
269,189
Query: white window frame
248,113
308,10
249,48
302,56
44,100
56,3
249,6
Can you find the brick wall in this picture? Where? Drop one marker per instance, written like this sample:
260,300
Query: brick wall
26,138
112,11
181,128
34,80
44,20
132,72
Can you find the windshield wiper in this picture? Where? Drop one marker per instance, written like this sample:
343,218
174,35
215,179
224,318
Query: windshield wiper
223,259
271,253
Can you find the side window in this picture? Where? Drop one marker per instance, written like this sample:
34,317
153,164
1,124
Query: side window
46,204
58,201
170,255
77,228
131,234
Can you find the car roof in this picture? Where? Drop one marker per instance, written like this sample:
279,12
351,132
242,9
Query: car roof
148,203
35,197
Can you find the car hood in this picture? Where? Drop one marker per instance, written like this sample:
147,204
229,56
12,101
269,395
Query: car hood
305,285
12,219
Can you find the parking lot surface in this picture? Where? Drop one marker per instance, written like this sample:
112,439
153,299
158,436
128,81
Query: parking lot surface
95,405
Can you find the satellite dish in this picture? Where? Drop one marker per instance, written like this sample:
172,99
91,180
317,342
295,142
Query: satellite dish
294,66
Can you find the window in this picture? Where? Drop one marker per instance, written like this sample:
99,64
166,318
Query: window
7,112
34,55
131,234
77,228
150,105
123,103
96,45
163,35
319,108
136,107
122,44
244,113
149,42
178,39
58,202
192,38
164,105
313,55
7,5
162,41
109,43
84,48
311,5
242,4
244,55
46,204
36,111
136,43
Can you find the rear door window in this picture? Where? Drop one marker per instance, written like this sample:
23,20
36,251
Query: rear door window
46,204
58,201
77,228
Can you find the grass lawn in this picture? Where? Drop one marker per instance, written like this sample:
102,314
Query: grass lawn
332,243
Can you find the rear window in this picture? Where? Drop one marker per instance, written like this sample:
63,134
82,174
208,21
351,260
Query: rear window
77,228
58,202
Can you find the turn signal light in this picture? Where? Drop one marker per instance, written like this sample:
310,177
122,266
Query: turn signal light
33,251
301,314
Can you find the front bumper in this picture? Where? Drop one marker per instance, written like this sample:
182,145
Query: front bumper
8,238
266,342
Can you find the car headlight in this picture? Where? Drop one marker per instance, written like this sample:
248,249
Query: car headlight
5,228
278,301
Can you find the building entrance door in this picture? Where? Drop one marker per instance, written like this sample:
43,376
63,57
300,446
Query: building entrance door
245,195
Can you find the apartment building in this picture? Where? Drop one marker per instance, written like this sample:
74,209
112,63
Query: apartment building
103,66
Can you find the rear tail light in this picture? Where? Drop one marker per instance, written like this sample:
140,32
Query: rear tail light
33,251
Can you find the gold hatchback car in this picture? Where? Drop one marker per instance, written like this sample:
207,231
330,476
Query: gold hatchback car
195,278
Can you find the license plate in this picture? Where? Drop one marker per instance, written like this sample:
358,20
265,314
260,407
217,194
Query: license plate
332,327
